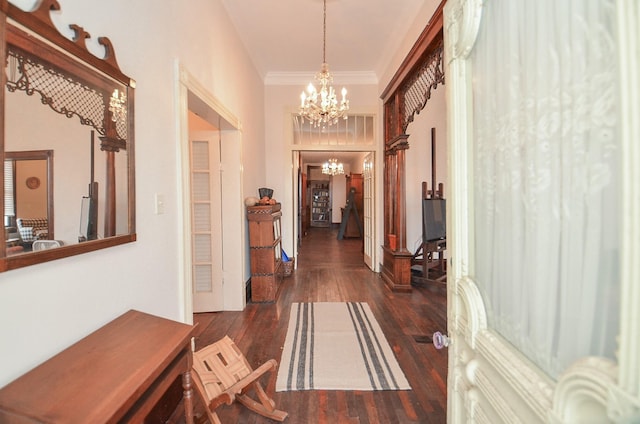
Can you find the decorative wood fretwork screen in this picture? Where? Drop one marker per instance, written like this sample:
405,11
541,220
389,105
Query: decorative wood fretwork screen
61,91
67,94
417,90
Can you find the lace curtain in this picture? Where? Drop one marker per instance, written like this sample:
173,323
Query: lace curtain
546,176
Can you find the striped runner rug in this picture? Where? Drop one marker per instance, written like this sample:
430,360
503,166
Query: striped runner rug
337,346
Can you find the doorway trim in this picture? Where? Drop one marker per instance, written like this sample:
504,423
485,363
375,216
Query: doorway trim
187,85
294,199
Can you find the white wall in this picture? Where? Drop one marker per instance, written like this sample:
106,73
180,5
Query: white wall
419,161
338,197
414,29
46,307
33,201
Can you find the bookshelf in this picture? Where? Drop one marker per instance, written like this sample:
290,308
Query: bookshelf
321,206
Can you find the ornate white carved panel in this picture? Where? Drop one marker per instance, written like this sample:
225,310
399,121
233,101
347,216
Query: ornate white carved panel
489,380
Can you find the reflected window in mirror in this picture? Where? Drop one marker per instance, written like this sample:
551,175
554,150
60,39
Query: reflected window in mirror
28,199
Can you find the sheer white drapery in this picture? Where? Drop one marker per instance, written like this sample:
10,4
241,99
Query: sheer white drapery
546,155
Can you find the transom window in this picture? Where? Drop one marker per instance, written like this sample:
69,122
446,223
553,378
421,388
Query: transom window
356,130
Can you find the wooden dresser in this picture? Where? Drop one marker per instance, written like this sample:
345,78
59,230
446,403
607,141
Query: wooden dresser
116,374
266,251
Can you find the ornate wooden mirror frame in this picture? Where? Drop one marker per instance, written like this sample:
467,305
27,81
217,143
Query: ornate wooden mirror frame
73,82
404,97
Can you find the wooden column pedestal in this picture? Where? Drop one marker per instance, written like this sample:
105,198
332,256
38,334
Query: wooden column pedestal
396,269
396,261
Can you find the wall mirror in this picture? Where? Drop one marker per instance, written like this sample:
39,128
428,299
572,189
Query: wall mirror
68,112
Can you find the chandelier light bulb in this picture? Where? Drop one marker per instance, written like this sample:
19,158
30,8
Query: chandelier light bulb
117,106
332,167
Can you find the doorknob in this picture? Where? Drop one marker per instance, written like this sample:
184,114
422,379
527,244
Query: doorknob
440,340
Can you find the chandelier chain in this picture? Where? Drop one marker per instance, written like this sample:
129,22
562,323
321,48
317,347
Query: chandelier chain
324,32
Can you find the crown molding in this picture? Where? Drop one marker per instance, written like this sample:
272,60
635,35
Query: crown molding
304,78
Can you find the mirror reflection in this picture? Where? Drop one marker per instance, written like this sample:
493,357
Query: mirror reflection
28,202
80,164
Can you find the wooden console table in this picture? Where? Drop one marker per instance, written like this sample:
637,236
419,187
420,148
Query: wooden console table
116,374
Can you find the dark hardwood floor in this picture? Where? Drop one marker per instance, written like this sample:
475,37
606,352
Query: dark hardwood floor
333,270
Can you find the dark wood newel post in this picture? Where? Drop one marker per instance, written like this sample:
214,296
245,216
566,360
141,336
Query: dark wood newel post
110,197
111,143
396,263
401,200
389,175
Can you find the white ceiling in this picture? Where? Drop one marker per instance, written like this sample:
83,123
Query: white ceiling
285,36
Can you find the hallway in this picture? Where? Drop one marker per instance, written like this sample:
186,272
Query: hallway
333,270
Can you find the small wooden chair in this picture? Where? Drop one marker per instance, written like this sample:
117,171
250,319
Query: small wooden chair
223,375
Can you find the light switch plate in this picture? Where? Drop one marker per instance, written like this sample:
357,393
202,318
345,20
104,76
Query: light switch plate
159,204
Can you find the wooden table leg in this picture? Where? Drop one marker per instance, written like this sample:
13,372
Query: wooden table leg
188,397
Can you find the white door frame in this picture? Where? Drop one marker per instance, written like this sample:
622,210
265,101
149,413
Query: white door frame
368,210
232,212
378,153
294,190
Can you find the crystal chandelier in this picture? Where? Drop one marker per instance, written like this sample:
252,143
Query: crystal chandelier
321,108
117,106
332,167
